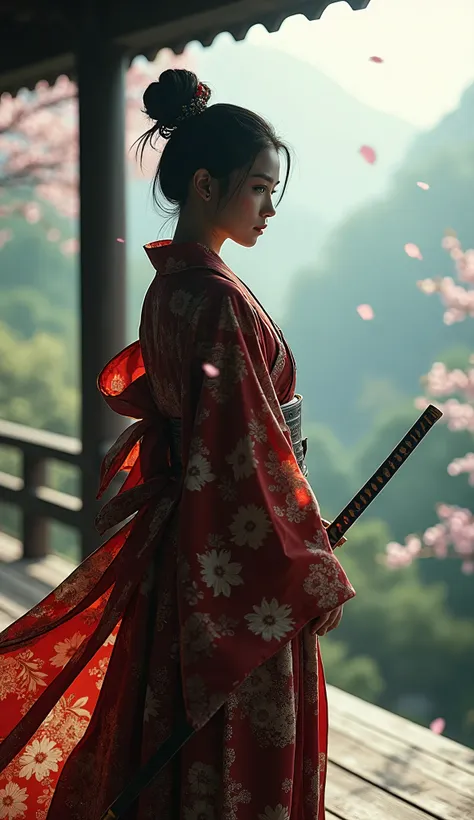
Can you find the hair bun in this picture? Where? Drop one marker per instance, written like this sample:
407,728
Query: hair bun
164,100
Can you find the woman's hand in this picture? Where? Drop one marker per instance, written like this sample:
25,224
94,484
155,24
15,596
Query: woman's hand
327,622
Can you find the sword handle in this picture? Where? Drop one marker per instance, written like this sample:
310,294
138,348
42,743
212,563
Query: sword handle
382,476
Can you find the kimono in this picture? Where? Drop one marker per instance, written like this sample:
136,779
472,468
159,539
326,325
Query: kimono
200,600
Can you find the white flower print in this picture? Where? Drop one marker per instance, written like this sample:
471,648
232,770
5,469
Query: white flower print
39,759
318,544
263,712
198,473
250,526
200,810
270,620
257,429
218,573
12,802
99,671
203,779
278,813
242,459
179,302
257,683
66,649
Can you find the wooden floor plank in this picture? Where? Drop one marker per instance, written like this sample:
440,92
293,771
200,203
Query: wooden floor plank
419,737
402,756
351,798
395,775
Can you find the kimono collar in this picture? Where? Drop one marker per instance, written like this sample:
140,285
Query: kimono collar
168,257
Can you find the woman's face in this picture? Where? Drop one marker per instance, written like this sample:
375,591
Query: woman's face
243,218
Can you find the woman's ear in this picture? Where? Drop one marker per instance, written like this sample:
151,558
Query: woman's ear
202,184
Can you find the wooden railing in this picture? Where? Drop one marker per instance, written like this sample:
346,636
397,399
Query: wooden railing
37,502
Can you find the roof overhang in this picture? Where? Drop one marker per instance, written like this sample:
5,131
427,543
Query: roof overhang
38,39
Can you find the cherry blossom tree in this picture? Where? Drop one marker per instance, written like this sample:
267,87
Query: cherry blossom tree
39,147
453,535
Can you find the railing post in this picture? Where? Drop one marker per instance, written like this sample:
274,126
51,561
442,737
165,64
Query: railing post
35,528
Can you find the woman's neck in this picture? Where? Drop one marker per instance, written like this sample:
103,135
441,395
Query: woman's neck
186,231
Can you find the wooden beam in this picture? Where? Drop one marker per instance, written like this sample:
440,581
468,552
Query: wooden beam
101,76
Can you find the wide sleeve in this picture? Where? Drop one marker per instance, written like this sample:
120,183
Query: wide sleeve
255,563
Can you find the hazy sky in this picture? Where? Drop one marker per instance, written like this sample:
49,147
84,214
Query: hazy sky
427,47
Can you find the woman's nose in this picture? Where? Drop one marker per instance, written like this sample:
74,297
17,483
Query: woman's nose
268,210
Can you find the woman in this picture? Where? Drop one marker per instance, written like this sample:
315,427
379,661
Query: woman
210,596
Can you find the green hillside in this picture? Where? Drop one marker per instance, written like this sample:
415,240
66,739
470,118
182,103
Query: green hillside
350,369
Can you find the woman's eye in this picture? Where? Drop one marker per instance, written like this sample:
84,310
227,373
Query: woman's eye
262,189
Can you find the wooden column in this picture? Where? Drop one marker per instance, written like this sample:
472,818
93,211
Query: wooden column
101,71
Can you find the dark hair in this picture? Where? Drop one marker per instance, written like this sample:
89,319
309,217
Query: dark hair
223,138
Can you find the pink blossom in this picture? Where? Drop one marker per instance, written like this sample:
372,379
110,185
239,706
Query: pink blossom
413,251
210,370
368,154
463,465
453,535
365,312
70,246
39,138
423,185
32,212
438,726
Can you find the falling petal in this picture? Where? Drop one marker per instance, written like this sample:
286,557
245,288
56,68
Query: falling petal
32,212
413,250
210,370
119,239
365,312
437,726
423,185
368,154
53,235
467,567
375,59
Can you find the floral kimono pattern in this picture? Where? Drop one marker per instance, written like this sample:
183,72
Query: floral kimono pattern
202,598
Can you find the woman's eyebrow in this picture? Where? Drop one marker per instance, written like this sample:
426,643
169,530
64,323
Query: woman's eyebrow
267,177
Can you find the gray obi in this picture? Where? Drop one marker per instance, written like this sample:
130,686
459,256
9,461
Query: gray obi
292,415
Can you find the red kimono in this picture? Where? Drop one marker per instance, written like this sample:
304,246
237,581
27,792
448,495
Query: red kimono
204,594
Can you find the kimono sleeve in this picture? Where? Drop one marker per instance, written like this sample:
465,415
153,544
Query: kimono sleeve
255,563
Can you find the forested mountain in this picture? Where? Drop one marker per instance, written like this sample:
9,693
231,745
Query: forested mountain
342,359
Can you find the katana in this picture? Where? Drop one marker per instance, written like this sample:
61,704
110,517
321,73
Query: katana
351,512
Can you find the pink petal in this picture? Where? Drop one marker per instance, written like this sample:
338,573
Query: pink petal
119,239
413,250
210,370
467,567
365,312
423,185
368,154
375,59
437,726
